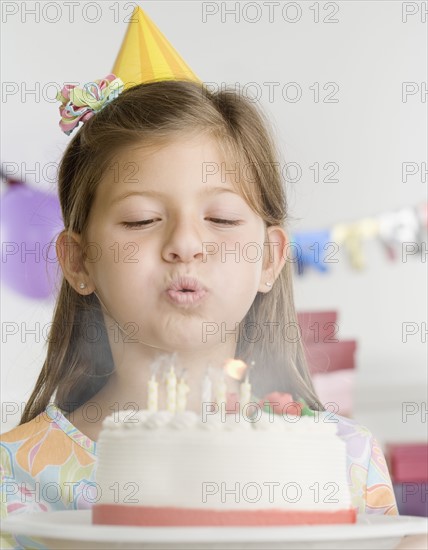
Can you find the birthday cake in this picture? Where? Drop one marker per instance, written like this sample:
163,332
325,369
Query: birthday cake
169,469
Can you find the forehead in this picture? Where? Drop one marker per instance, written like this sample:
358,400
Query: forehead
186,160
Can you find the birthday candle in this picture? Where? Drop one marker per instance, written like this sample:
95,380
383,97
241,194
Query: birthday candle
182,391
207,388
171,390
245,392
221,390
152,401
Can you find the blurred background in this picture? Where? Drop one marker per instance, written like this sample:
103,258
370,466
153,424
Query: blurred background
345,87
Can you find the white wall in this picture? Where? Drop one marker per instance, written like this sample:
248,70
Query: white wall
369,52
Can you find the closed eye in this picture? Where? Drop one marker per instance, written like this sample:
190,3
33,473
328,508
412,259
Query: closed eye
148,222
137,224
225,222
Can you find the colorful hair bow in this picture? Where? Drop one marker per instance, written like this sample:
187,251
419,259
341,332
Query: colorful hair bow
80,104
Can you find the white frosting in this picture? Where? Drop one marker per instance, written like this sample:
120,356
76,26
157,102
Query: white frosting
144,419
222,462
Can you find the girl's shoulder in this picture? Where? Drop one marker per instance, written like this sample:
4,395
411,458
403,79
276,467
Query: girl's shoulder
367,469
46,452
37,442
347,427
360,441
38,424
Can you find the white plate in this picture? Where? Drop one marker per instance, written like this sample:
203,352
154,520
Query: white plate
73,529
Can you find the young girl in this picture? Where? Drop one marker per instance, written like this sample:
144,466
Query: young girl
169,188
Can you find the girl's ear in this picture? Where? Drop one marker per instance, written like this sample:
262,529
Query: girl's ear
274,256
71,258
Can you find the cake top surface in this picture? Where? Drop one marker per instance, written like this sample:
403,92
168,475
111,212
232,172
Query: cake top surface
190,420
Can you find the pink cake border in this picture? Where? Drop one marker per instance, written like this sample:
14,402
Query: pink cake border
155,516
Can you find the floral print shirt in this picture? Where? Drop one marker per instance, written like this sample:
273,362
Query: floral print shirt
47,464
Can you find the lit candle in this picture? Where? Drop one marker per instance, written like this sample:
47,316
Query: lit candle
207,388
221,390
171,390
245,392
235,368
152,401
182,391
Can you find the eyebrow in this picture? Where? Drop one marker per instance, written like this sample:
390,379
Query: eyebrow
158,194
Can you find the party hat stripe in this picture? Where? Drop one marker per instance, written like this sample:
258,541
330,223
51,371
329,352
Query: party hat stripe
128,67
177,66
155,63
165,60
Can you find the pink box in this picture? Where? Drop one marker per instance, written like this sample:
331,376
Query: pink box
412,498
330,357
408,462
318,326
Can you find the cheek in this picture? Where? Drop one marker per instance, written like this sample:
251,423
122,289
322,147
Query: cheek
252,255
125,251
245,257
242,280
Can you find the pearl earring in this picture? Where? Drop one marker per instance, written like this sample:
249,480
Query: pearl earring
82,285
268,284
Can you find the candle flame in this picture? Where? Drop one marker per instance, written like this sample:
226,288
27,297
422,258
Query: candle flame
235,368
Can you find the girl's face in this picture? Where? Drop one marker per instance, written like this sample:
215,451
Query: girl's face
168,212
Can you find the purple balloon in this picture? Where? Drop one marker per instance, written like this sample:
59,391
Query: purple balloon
30,222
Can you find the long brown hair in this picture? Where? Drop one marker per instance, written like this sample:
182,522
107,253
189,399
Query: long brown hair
75,368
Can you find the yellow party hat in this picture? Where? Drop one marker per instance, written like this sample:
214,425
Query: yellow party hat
146,55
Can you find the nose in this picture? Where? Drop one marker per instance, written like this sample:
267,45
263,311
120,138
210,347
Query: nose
183,241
